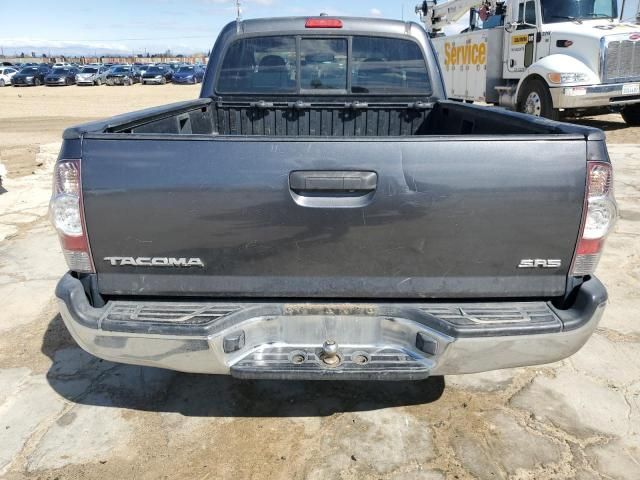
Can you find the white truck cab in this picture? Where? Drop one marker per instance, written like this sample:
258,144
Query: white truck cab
541,57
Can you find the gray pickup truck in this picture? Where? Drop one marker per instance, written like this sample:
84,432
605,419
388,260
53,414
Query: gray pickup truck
323,212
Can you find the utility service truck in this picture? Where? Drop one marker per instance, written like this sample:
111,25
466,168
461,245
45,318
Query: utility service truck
543,57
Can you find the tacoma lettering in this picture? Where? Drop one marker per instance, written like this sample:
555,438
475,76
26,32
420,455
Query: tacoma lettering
154,262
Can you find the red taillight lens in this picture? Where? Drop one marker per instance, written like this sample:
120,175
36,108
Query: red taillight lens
67,215
589,247
323,23
599,218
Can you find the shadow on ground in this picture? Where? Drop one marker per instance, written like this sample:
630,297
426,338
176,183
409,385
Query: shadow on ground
84,379
602,124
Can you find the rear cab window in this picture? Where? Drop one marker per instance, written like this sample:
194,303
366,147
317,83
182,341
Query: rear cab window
324,65
388,65
265,64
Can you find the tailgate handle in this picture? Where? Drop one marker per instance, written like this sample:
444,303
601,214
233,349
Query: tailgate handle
333,181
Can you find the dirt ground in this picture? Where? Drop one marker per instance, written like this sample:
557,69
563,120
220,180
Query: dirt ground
65,414
33,116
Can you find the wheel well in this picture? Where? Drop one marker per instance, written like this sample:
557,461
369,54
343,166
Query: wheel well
525,83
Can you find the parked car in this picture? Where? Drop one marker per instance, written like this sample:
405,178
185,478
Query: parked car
188,74
61,76
143,68
92,75
123,75
337,218
158,75
30,76
6,73
175,66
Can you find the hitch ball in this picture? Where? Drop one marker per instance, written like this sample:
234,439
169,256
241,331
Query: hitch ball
329,353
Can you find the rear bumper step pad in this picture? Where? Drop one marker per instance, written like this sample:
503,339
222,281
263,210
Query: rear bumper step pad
456,320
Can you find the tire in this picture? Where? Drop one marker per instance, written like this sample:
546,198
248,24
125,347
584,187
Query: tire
2,84
163,81
631,114
67,82
37,82
98,82
535,99
127,82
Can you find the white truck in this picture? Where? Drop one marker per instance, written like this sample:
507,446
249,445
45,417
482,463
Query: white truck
543,57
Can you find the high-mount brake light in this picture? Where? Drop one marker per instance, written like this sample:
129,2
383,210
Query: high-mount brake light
599,218
323,23
67,216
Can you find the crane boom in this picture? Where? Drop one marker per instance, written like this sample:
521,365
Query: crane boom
437,15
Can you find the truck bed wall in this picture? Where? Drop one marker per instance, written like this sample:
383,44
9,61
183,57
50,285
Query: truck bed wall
383,121
392,120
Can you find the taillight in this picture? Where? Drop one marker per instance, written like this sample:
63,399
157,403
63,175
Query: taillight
323,23
67,215
598,220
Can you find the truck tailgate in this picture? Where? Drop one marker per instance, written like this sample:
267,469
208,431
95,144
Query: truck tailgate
445,217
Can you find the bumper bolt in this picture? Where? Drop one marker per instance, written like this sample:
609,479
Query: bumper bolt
360,359
298,357
234,342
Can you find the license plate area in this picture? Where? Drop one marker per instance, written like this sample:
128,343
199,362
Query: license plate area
631,89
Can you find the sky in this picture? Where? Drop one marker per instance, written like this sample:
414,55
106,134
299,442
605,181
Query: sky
67,27
139,26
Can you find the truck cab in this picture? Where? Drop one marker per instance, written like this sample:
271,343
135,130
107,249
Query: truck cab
555,56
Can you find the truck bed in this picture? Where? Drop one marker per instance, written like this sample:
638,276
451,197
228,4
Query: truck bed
336,119
462,195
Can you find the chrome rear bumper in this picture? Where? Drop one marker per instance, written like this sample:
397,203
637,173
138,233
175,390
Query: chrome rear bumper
380,341
593,96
